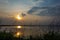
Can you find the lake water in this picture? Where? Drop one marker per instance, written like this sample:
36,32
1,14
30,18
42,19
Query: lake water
30,30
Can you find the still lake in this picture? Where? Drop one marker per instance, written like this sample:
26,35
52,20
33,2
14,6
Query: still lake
30,30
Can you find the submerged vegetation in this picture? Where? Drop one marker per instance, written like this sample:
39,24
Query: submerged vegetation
47,36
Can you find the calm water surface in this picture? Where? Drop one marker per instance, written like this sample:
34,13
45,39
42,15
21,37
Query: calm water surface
30,30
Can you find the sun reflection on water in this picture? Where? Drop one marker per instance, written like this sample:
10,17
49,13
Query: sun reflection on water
18,34
19,26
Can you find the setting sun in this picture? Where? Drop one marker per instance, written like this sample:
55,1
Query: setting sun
18,17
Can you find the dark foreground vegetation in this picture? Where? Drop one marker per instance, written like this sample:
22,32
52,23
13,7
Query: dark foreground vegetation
46,36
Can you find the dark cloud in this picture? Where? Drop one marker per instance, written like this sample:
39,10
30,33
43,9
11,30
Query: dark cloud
46,8
23,14
34,9
46,11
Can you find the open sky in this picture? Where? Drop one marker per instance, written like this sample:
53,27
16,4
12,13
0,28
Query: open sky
15,6
27,6
45,11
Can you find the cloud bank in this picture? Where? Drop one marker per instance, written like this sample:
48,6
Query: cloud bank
46,8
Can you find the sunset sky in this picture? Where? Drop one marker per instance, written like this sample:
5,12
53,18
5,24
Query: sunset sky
10,7
37,11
